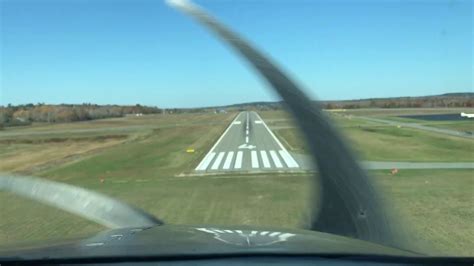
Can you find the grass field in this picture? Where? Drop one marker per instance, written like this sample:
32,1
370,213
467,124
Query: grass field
25,158
462,125
381,142
436,205
143,167
455,125
43,147
384,112
376,144
393,114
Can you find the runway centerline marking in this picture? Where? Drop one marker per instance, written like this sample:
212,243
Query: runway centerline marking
227,154
247,129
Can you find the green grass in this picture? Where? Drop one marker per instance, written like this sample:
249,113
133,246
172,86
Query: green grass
145,171
437,206
460,125
116,122
284,119
402,119
455,125
275,114
292,139
393,115
146,156
163,153
389,143
28,149
383,112
260,200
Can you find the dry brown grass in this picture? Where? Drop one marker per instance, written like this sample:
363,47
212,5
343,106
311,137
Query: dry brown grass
29,158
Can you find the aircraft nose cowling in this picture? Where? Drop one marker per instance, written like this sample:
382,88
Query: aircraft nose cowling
250,238
200,240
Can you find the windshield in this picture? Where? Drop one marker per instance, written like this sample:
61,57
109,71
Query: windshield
139,103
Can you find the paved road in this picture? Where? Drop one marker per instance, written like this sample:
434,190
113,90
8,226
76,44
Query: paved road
247,145
306,164
421,127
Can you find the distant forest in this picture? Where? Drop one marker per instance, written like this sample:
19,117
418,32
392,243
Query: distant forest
26,114
448,100
445,100
17,115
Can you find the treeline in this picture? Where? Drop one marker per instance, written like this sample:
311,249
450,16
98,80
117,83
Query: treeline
26,114
448,100
441,101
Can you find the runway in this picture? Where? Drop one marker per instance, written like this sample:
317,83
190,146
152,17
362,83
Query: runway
247,145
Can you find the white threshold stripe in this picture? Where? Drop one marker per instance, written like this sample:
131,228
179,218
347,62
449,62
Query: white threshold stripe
289,160
238,160
218,161
266,162
200,165
206,161
254,158
274,234
228,160
275,158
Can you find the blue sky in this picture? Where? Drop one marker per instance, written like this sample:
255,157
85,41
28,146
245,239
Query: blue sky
142,51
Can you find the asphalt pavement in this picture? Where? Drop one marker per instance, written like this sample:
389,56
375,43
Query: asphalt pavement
247,145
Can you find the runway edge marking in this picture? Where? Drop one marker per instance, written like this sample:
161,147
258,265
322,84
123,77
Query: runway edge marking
215,144
288,163
206,161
